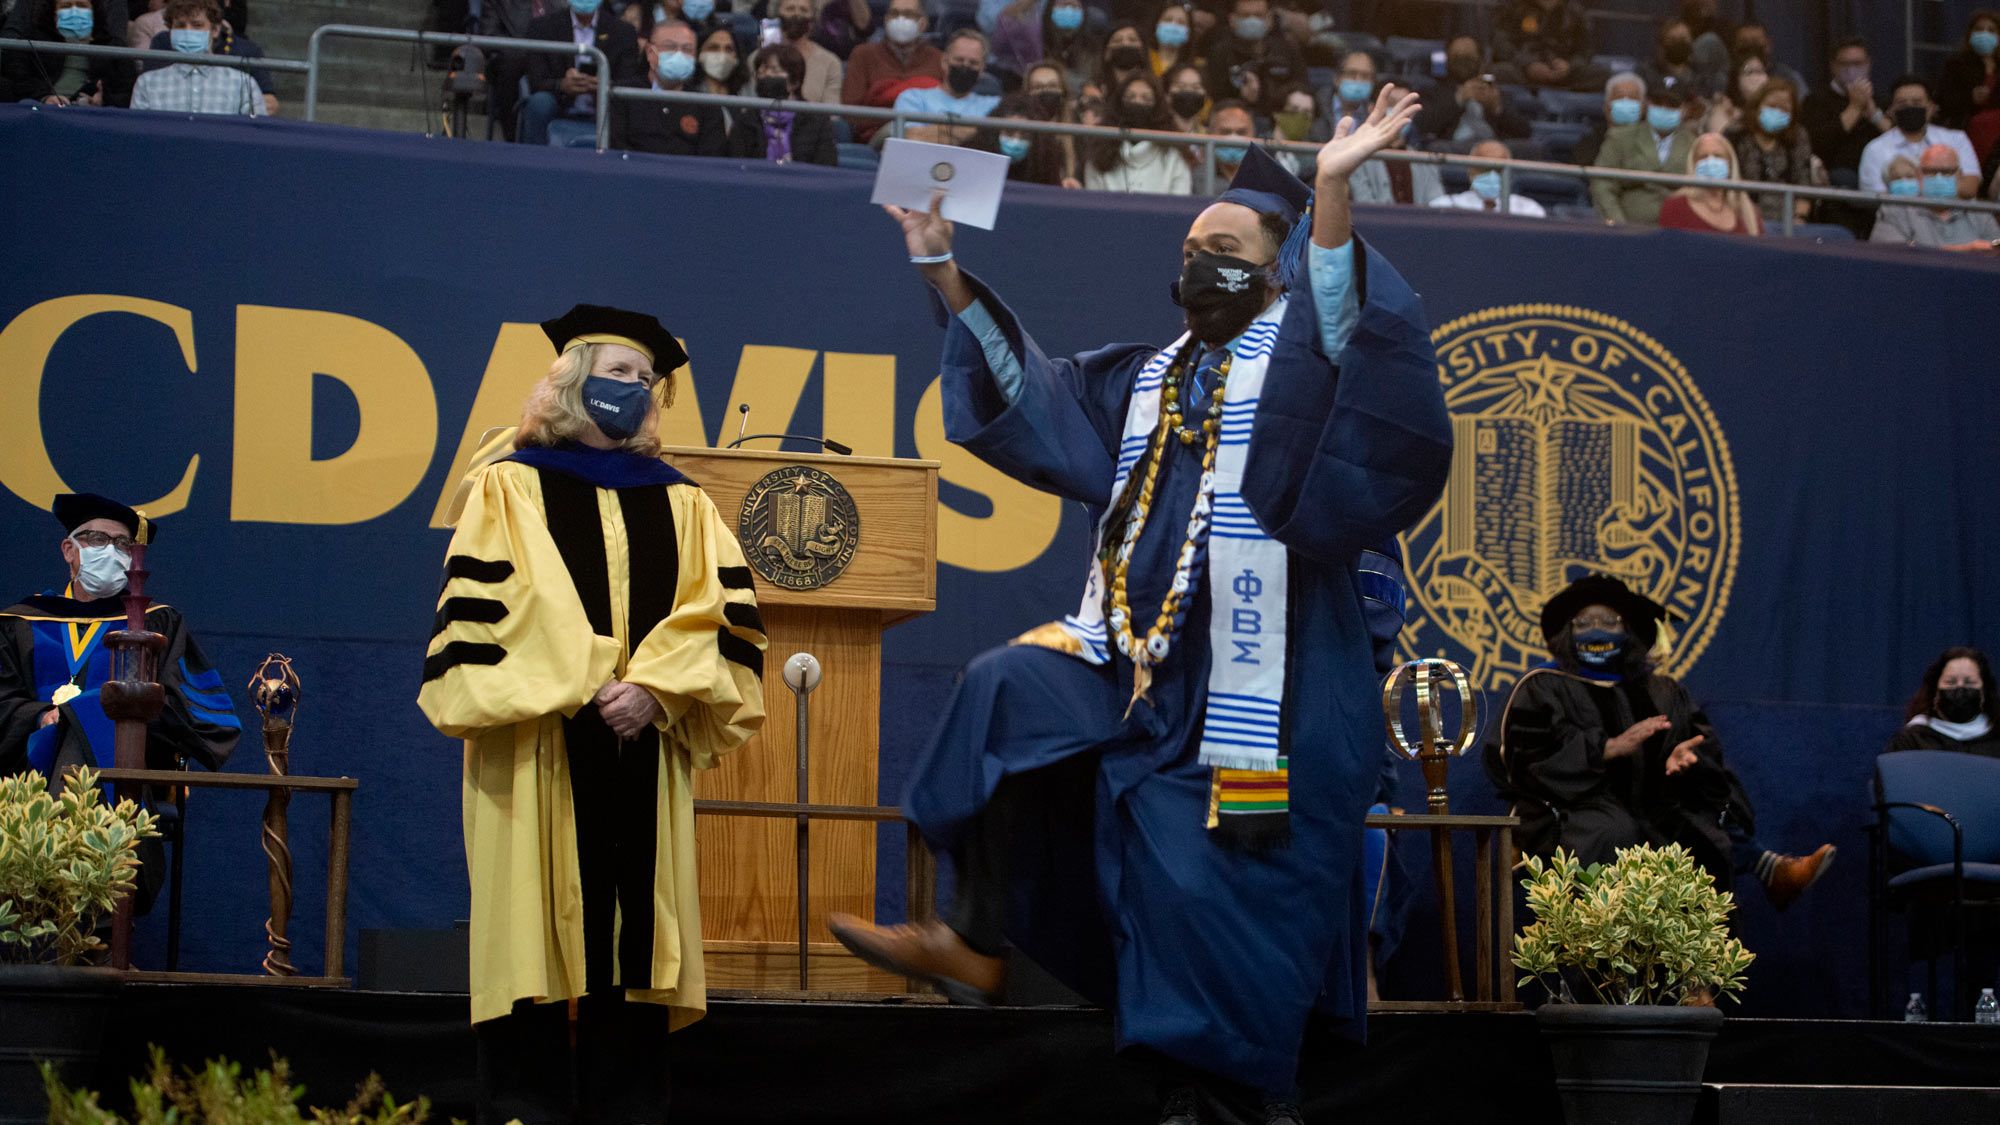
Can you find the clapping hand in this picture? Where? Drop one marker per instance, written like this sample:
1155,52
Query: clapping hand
1352,144
1683,755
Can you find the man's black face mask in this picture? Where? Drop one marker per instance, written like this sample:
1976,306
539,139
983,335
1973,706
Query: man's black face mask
1221,294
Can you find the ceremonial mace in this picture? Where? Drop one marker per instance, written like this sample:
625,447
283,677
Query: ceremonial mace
275,691
132,699
802,675
1432,677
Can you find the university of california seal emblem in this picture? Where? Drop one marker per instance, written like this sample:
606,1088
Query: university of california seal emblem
799,527
1581,446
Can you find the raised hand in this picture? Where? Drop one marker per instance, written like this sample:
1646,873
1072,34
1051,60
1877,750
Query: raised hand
1352,143
926,233
1683,755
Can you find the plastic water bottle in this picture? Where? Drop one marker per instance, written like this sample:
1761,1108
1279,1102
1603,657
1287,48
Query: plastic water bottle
1915,1011
1988,1008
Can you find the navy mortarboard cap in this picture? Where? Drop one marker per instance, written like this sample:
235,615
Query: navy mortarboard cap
1266,186
601,324
1642,614
74,509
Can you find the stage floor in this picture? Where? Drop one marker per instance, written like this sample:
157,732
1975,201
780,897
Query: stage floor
883,1063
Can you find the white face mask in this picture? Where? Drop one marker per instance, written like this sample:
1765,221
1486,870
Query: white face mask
718,64
902,29
101,570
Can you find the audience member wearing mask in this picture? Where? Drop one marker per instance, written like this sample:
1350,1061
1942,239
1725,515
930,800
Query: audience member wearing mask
1544,43
1296,119
191,87
1912,112
1752,38
1841,119
60,80
1353,91
665,127
1598,751
1249,57
1173,46
720,70
1187,99
1771,146
1708,52
1968,91
1034,158
1485,193
1017,34
1673,61
1230,118
1624,104
877,72
1955,708
1474,112
781,136
54,663
556,87
223,41
1935,181
824,70
964,65
1716,209
1126,52
1747,75
1137,165
1067,40
1660,142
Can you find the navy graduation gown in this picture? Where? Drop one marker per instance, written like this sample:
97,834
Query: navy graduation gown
1210,955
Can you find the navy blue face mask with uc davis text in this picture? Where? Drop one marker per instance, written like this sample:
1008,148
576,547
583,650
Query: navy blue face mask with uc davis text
619,408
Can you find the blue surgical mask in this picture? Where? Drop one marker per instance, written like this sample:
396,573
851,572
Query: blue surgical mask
584,7
1171,34
1231,154
1908,185
1663,119
1487,184
1069,19
74,23
1984,42
695,10
1625,111
1015,149
1599,648
619,408
1712,168
188,40
675,66
1773,120
1941,186
1251,28
1353,91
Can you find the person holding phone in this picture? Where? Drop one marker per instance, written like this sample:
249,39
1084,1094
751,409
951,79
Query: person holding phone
1475,111
567,87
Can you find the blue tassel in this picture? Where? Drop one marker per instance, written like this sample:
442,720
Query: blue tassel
1292,255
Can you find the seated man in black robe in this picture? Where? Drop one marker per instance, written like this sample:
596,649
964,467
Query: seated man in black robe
1598,751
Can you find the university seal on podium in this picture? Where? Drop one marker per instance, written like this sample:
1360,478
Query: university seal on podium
1580,446
799,527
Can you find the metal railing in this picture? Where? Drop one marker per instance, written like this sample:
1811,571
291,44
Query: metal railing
98,51
447,39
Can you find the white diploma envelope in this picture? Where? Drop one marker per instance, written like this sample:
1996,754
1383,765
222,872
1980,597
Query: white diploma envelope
913,172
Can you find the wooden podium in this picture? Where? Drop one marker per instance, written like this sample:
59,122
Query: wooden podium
748,870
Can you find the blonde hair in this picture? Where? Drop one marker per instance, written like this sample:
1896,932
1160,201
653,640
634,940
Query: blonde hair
1747,215
554,412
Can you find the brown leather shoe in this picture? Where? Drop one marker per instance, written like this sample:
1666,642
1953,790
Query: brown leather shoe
930,952
1792,874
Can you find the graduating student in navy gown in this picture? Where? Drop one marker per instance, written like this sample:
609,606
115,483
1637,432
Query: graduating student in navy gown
53,661
1160,797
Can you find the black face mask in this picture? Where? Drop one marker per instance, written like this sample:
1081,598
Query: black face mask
1126,58
961,79
1959,704
1135,115
1048,102
1677,52
1186,103
774,88
1912,118
1221,294
794,27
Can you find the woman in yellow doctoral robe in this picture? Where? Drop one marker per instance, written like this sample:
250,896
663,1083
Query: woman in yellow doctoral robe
596,640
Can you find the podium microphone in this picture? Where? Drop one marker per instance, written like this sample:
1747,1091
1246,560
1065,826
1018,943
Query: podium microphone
744,410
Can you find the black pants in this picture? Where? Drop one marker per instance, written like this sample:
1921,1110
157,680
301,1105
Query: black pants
615,1074
504,71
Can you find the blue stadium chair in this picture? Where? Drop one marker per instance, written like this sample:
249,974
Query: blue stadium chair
1411,58
843,131
1576,212
572,132
1934,848
1521,102
1616,63
1322,77
1553,191
1570,105
861,158
1360,41
1822,232
1558,137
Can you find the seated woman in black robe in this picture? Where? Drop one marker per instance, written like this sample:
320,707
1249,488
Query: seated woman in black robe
1955,708
1598,751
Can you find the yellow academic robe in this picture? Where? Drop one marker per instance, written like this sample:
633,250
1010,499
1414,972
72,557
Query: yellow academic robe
556,583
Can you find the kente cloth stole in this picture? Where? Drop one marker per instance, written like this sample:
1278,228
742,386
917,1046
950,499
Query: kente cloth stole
1247,573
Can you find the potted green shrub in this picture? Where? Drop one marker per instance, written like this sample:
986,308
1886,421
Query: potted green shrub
1635,955
64,862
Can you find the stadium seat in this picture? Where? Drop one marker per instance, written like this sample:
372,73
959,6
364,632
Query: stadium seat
570,132
861,158
843,132
1822,232
1576,212
1570,105
1521,102
1360,41
1322,77
1616,64
1411,58
1558,137
1934,848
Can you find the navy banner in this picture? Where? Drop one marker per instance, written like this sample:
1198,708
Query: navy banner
284,342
